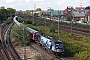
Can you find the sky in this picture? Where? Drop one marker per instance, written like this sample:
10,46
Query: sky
43,4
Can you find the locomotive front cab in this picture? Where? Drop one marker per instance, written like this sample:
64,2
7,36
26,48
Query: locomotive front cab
57,47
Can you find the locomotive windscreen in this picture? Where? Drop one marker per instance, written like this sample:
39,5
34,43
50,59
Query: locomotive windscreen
59,45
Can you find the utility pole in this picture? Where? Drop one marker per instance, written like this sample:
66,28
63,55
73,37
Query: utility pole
71,23
24,39
58,24
50,14
33,15
70,17
58,20
45,25
34,12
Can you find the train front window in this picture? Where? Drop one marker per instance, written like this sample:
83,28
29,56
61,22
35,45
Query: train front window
59,45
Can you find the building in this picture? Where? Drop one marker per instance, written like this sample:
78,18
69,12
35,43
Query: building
88,17
80,15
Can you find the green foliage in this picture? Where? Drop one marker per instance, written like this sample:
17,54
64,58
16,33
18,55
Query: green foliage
21,34
36,15
88,7
78,24
78,46
83,55
26,21
52,28
9,20
2,7
38,9
55,15
11,11
5,13
33,23
69,18
37,57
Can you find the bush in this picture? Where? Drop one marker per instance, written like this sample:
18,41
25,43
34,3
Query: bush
21,36
37,57
9,20
52,28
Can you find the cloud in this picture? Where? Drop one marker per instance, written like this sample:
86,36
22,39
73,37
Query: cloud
61,2
48,3
39,0
83,1
11,1
36,0
27,0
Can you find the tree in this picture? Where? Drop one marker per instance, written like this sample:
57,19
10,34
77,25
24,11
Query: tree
69,18
52,28
2,7
27,12
19,12
11,11
72,8
88,7
38,9
9,20
3,14
21,34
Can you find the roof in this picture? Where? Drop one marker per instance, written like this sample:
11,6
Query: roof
45,39
15,21
55,41
31,30
79,13
55,12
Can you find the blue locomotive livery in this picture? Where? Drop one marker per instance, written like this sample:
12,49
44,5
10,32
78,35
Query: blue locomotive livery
52,44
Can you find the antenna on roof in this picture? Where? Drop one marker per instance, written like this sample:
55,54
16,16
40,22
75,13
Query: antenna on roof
34,6
80,3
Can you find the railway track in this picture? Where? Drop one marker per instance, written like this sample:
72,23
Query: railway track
8,50
48,55
78,30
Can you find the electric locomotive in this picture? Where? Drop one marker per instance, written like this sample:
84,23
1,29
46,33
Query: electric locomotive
52,44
